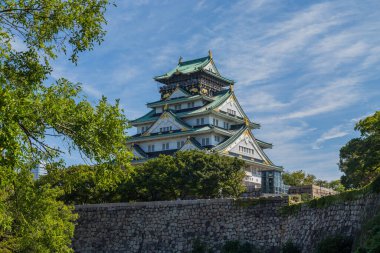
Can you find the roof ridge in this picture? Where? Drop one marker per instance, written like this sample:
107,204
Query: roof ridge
194,60
179,120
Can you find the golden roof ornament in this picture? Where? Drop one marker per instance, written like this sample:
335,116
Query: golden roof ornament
231,87
246,121
210,54
180,60
165,107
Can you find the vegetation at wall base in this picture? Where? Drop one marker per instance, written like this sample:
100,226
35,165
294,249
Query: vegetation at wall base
239,247
335,244
373,187
369,239
290,247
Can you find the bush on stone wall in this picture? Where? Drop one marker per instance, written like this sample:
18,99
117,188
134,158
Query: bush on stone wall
369,239
335,244
290,247
238,247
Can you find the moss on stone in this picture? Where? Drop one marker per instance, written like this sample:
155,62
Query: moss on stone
250,202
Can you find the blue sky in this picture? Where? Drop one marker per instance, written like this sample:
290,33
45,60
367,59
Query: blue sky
305,70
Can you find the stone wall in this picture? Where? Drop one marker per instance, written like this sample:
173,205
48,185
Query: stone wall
172,226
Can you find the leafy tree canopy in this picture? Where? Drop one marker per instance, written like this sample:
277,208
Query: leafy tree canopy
189,174
85,184
360,157
298,178
32,110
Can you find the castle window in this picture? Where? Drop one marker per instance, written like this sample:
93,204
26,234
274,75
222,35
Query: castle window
205,141
232,112
165,146
180,144
190,105
177,107
217,138
165,129
151,148
245,150
226,125
215,122
200,121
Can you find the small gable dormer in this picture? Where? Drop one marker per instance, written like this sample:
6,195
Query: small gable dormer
178,93
167,122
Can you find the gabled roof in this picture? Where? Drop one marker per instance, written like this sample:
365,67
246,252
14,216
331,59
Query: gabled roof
230,140
193,142
188,67
177,100
217,100
178,93
139,151
193,131
169,114
224,145
264,144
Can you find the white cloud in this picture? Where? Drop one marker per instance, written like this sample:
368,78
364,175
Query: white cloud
333,96
260,102
333,133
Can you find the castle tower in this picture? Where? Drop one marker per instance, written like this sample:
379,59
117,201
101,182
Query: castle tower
198,109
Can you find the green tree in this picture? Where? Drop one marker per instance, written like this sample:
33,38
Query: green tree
31,110
189,174
85,184
360,157
298,178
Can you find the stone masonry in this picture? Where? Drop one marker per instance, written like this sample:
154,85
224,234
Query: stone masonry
172,226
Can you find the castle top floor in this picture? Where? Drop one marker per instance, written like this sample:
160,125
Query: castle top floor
198,76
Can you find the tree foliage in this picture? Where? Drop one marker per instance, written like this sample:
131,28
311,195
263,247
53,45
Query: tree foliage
31,110
360,157
298,178
189,174
85,184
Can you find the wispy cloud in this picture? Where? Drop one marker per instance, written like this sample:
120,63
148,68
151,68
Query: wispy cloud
333,133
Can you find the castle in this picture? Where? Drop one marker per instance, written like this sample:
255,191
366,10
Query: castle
198,110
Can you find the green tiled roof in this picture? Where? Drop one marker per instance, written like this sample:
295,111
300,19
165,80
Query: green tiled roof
177,100
147,117
191,131
227,142
193,141
264,144
219,98
140,151
188,67
180,121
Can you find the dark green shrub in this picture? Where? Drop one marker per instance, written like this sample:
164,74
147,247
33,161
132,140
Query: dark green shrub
199,247
335,244
369,241
290,247
236,247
